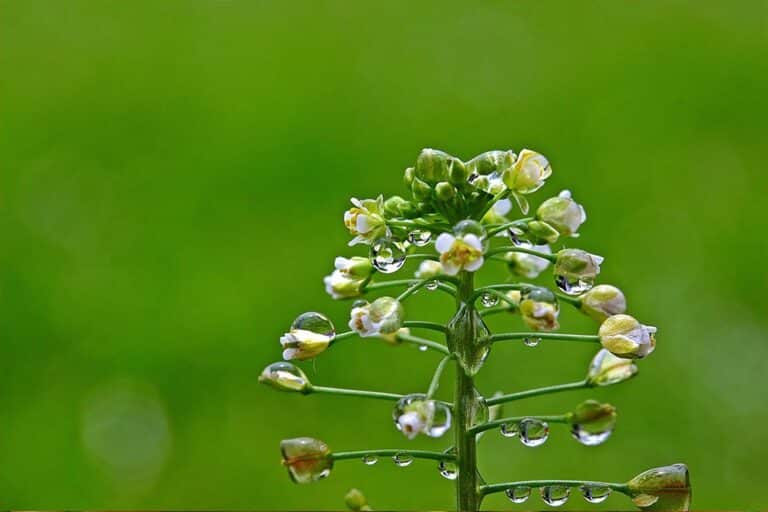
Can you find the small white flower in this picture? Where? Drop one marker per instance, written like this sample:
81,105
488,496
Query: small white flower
429,269
528,265
606,369
603,301
540,316
347,280
528,172
562,213
382,316
303,344
411,424
459,253
365,220
502,207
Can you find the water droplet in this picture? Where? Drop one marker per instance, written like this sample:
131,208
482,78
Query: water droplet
555,495
595,493
573,286
423,348
533,432
509,429
515,235
431,286
588,436
488,299
284,376
531,341
419,237
414,414
519,494
370,460
448,470
469,227
314,322
387,255
402,459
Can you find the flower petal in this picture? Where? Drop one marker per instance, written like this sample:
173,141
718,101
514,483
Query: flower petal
444,242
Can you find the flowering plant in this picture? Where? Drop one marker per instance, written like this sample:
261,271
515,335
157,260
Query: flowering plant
456,221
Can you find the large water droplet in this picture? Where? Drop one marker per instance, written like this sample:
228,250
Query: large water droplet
595,493
448,470
509,429
419,237
588,436
431,286
531,341
370,460
533,432
470,227
519,494
402,459
314,322
488,299
387,255
555,495
414,414
573,286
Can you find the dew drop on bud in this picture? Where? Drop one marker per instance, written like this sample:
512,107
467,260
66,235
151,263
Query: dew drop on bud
533,432
573,286
509,429
555,495
488,299
431,286
519,494
419,237
448,470
423,348
314,322
402,460
387,255
531,341
370,460
595,493
590,437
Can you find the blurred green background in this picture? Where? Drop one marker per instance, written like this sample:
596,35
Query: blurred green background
174,176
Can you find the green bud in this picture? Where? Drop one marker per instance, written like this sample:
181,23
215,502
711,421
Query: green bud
491,161
542,233
602,301
606,369
355,501
666,488
575,264
432,165
306,459
457,171
395,206
421,190
599,417
562,213
285,377
445,191
408,176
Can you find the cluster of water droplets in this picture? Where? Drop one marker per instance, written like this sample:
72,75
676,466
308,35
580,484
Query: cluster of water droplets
387,255
532,432
557,495
314,322
489,299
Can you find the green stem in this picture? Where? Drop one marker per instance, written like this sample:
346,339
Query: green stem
490,489
496,310
498,197
575,301
513,248
502,227
407,338
419,324
435,383
416,454
378,395
537,392
591,338
409,282
561,418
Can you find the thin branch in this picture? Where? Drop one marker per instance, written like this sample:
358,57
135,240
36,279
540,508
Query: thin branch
490,489
513,248
435,383
419,324
416,454
377,395
562,418
590,338
537,392
422,342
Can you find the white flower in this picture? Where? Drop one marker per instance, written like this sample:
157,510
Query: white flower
303,344
528,265
462,253
562,213
606,369
347,280
603,301
625,337
411,424
502,207
365,220
429,269
382,316
528,172
540,316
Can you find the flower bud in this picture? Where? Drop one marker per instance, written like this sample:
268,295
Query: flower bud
432,165
539,309
666,488
528,173
445,191
575,270
562,213
491,161
408,176
415,414
310,334
541,232
421,190
607,369
592,420
307,459
285,377
625,337
365,220
603,301
459,253
429,269
457,172
382,316
393,337
355,501
528,265
396,206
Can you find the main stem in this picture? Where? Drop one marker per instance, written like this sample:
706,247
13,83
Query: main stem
467,490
